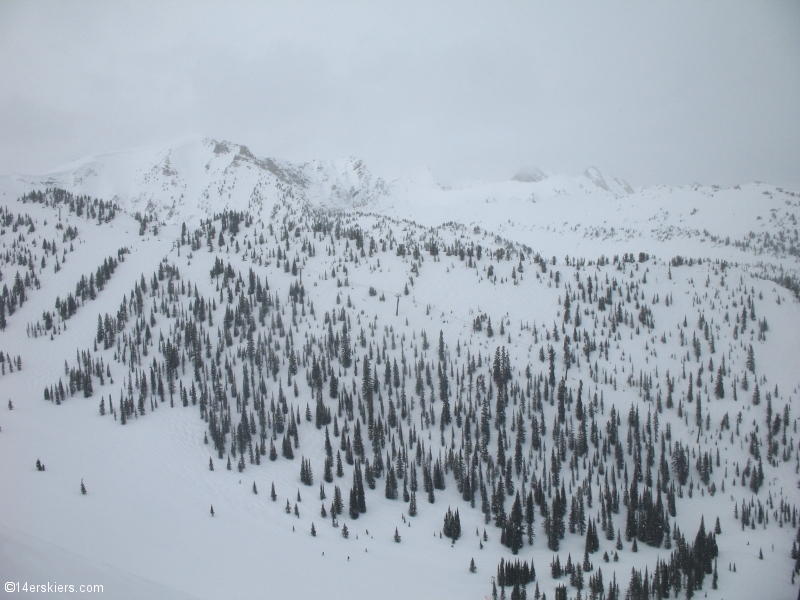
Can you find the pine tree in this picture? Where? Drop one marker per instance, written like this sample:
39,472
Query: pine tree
698,415
412,506
83,488
592,540
273,453
345,531
272,493
513,534
367,388
337,506
715,576
353,511
452,525
719,388
255,489
391,484
613,589
339,467
87,385
212,510
345,357
751,359
396,535
100,329
210,464
358,485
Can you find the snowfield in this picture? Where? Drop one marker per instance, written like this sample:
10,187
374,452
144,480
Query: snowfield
583,370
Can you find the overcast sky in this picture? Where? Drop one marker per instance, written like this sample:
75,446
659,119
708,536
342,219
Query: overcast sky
652,92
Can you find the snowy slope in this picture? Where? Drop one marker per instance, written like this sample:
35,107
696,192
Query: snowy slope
353,243
194,179
594,212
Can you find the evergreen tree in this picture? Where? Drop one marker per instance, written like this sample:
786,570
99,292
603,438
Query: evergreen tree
354,512
719,388
513,533
273,453
412,506
337,506
592,539
339,467
698,415
715,576
452,525
529,517
391,484
345,356
751,359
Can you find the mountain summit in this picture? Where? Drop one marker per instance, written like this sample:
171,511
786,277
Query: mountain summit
195,179
530,175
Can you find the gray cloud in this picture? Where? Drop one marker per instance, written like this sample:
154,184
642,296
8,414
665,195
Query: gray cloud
671,93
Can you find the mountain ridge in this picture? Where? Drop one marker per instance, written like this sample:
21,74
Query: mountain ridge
191,179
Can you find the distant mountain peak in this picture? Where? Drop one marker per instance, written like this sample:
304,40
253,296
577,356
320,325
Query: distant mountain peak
596,177
194,178
529,175
618,186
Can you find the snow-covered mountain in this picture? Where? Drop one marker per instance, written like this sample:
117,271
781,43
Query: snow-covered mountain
193,180
529,175
202,352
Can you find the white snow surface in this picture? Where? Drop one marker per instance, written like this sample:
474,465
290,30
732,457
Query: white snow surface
144,528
